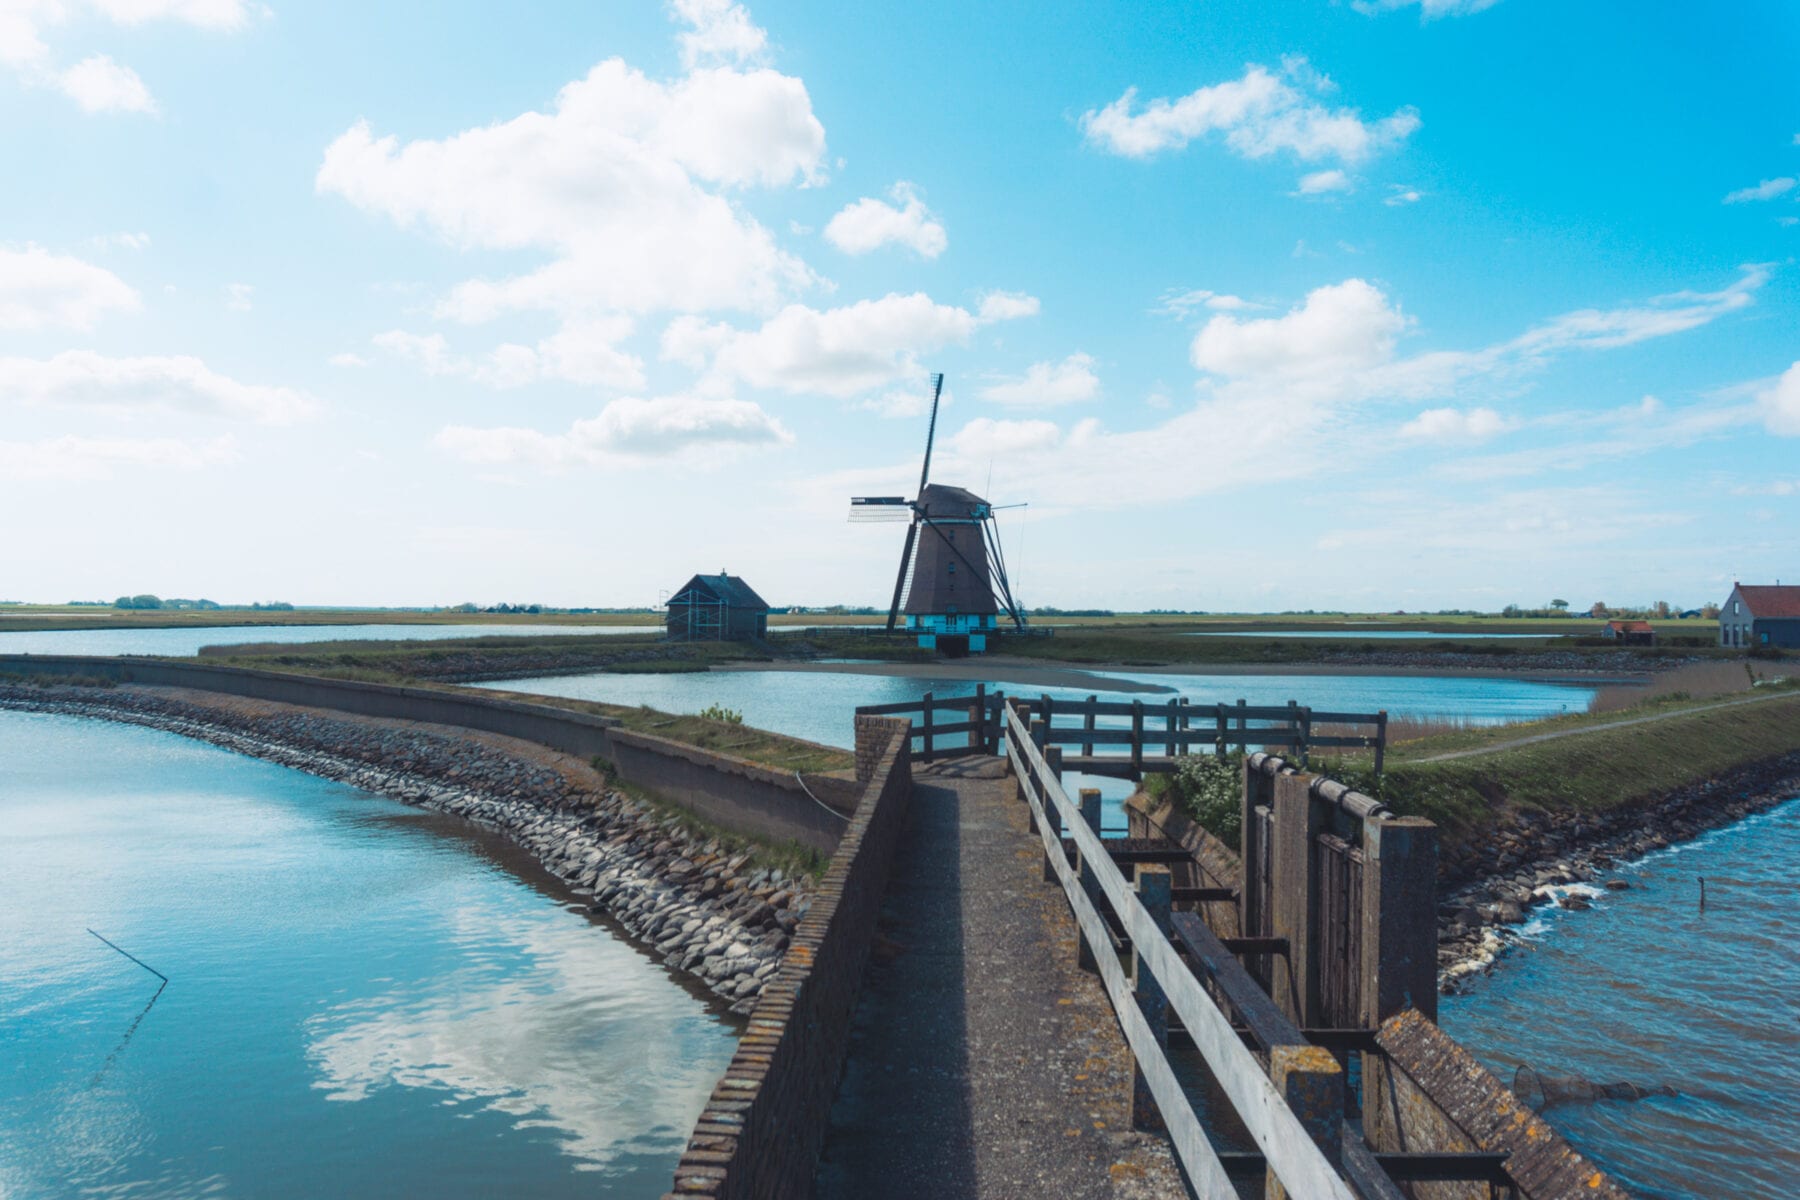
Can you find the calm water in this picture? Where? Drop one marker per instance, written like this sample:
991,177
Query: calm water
1647,988
817,706
366,1000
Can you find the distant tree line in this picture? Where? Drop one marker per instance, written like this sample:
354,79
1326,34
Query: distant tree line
174,603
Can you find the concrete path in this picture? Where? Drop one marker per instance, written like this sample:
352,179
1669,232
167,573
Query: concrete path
982,1062
1515,743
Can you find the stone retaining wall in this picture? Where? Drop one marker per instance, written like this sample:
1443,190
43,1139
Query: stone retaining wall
1425,1092
740,796
1215,865
760,1133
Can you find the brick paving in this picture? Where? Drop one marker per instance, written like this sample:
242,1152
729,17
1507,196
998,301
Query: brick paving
982,1062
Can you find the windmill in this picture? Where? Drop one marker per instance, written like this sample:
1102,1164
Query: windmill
952,587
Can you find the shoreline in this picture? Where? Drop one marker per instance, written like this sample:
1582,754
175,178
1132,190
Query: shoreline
681,898
1565,861
1035,672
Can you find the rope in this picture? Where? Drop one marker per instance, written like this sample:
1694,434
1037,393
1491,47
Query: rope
834,812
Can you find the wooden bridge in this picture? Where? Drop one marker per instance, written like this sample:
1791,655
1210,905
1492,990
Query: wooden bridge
1303,1004
1127,739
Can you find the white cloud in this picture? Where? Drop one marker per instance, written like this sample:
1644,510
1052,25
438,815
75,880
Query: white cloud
834,352
868,224
719,32
240,297
1340,329
98,83
1779,487
1259,114
124,241
617,183
698,430
1007,306
347,360
1780,403
1768,189
76,458
1455,425
1321,183
1181,304
582,350
177,383
1048,384
1428,9
906,402
40,290
1399,193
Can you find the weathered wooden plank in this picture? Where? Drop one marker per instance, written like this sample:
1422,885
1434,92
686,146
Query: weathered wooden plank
1298,1163
1217,964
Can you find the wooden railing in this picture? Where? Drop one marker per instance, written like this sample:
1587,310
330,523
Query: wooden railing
1130,738
1293,1145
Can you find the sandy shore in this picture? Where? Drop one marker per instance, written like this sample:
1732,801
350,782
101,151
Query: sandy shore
1035,673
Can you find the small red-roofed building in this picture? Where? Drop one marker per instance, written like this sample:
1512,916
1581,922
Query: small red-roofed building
1630,633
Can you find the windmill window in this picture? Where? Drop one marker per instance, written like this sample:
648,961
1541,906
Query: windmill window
953,568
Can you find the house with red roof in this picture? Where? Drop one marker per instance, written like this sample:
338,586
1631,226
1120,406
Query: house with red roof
1761,615
1630,633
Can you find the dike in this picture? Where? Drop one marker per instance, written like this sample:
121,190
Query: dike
707,913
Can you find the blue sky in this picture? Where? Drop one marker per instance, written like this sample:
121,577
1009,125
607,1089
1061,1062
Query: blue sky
1378,305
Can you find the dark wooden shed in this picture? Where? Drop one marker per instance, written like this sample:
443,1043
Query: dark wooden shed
717,608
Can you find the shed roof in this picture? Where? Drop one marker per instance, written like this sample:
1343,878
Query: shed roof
729,588
1770,601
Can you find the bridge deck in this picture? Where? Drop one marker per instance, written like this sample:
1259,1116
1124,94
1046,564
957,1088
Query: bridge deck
982,1062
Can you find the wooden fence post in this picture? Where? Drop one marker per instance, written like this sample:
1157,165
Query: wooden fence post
1169,722
1090,813
1309,1079
1052,760
1219,737
1154,894
1298,822
1304,733
978,719
1087,724
925,728
1243,726
1259,792
1380,740
1137,739
1399,918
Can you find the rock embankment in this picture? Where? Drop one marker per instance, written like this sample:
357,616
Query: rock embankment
1564,859
704,910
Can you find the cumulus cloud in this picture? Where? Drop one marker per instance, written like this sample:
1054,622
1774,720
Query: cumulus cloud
1320,183
620,184
172,383
80,458
1007,306
1399,194
98,83
1768,189
1048,384
1455,425
1339,330
1780,403
40,290
833,352
1261,113
718,32
696,429
868,224
582,350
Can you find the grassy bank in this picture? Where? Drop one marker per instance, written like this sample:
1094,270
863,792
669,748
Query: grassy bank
1597,763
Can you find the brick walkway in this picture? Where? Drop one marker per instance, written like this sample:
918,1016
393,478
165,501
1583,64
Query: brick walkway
982,1062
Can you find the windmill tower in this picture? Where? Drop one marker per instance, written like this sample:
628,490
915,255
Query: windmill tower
951,590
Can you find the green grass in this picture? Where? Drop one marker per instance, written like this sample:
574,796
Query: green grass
1592,770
